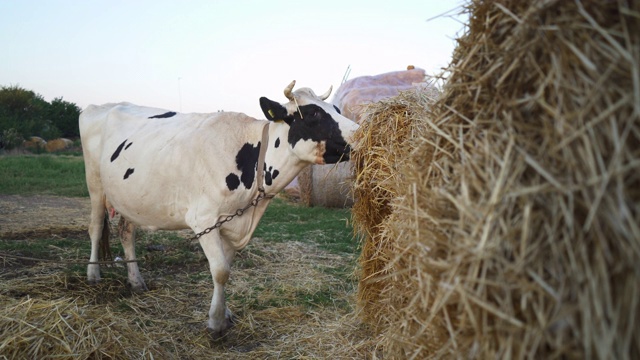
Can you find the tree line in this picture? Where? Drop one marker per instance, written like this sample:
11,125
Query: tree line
24,113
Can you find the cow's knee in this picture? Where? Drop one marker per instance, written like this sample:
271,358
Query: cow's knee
221,274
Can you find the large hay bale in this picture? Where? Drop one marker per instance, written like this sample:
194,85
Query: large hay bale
518,231
383,144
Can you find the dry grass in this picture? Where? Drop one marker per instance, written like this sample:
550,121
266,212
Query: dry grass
516,234
47,311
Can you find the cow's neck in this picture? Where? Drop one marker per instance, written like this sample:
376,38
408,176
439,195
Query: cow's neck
281,158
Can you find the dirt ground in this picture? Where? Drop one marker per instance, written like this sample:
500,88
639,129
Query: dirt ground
40,215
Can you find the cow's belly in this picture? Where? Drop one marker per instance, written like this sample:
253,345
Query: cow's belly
147,199
159,214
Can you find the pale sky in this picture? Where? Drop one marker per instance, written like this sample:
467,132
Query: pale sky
204,56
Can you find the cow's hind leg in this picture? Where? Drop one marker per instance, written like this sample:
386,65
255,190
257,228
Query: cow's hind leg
220,318
96,232
128,238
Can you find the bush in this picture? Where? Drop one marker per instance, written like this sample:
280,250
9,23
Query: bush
28,114
10,139
64,116
22,110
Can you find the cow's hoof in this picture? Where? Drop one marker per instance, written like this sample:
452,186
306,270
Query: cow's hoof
93,280
93,274
216,335
229,321
138,287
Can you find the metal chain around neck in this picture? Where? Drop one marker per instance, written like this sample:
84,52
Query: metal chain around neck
261,195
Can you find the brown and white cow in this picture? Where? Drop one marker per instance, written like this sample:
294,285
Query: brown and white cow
166,170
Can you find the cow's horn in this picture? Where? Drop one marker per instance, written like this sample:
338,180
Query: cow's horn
326,95
287,90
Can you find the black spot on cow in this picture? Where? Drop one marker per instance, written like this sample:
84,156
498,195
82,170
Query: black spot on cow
163,116
128,173
246,163
338,110
233,181
277,143
117,152
270,174
129,144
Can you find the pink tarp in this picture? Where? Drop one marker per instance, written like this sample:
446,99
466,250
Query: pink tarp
353,94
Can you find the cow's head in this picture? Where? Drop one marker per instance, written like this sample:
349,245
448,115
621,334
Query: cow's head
317,133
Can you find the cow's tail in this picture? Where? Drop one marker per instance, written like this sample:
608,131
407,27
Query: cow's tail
104,251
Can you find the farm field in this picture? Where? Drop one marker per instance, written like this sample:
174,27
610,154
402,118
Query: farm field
292,288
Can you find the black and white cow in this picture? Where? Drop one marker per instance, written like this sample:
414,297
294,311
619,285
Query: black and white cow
165,170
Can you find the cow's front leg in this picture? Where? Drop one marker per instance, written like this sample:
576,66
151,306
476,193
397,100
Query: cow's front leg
127,232
219,255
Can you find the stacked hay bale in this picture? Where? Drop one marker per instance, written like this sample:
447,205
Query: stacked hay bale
516,231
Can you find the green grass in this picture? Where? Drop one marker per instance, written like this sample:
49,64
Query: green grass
329,228
43,175
41,248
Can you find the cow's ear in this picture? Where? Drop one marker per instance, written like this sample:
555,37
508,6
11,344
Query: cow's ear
272,110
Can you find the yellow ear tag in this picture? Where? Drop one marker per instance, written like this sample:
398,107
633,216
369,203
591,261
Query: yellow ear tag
271,113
